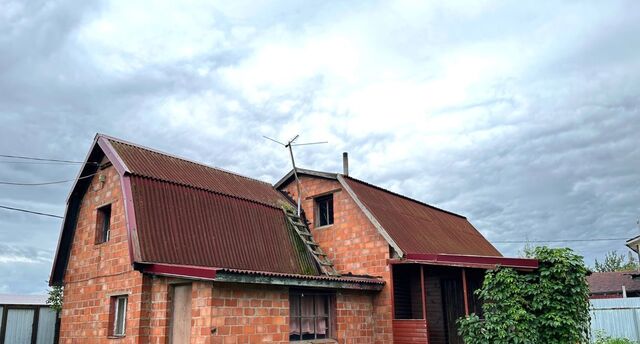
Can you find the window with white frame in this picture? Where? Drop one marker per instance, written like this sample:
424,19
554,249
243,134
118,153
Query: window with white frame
118,316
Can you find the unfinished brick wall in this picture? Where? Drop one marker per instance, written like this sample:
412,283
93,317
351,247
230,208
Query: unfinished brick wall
95,272
239,313
250,314
355,317
352,243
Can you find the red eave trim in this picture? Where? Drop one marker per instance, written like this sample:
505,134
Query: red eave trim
180,271
472,261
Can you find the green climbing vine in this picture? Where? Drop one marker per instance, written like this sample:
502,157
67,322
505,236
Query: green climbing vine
549,305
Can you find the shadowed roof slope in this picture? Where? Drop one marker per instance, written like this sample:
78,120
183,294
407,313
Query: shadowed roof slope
417,227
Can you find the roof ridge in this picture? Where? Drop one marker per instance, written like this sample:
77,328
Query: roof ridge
111,138
403,196
301,170
207,190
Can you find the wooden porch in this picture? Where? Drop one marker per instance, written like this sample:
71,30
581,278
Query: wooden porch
428,299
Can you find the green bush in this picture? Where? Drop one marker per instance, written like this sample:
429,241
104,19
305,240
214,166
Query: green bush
602,338
547,306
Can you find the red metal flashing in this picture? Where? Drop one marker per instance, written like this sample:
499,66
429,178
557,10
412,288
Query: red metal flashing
181,271
112,155
130,219
125,183
485,262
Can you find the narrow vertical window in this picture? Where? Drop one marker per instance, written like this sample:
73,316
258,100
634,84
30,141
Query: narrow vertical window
118,316
324,210
103,224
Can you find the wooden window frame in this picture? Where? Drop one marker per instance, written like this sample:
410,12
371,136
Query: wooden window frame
330,298
330,208
103,223
113,316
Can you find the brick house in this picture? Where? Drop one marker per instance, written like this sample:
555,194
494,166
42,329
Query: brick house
158,249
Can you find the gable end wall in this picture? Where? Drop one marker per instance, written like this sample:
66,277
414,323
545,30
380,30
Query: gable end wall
352,243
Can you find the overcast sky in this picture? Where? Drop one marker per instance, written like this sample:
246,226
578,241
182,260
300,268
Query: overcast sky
522,116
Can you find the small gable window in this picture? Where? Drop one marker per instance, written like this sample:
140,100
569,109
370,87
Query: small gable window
324,210
103,224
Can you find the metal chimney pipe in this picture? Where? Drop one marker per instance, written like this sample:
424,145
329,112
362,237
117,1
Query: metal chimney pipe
345,163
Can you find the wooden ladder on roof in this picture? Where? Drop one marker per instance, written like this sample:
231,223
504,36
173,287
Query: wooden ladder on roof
300,226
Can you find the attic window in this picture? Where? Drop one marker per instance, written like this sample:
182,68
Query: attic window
324,210
103,224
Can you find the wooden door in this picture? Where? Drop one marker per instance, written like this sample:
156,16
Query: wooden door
180,328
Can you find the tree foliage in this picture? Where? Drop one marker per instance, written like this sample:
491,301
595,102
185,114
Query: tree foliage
55,298
614,261
549,305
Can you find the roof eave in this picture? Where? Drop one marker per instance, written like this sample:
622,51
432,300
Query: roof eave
471,261
634,244
256,277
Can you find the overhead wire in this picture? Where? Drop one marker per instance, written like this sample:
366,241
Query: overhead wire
30,212
43,159
556,240
45,183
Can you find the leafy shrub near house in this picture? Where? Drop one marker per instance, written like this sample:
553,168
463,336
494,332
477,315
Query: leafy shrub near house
546,306
602,338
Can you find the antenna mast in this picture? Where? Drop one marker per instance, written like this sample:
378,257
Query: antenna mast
290,145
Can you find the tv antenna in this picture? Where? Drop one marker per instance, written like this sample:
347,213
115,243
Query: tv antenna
290,144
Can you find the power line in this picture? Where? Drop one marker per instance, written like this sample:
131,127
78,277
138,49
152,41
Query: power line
44,183
36,162
556,240
44,159
31,212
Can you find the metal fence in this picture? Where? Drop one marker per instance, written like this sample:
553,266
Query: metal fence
618,318
27,324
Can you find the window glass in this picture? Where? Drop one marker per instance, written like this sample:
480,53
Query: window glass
324,210
120,315
103,224
309,316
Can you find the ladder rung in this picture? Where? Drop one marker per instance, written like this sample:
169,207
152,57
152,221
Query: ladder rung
305,234
310,243
326,264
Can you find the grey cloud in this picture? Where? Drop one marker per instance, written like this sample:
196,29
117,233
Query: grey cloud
553,149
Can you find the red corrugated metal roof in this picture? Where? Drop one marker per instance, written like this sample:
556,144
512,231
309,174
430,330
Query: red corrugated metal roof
177,224
142,161
612,282
191,214
417,227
